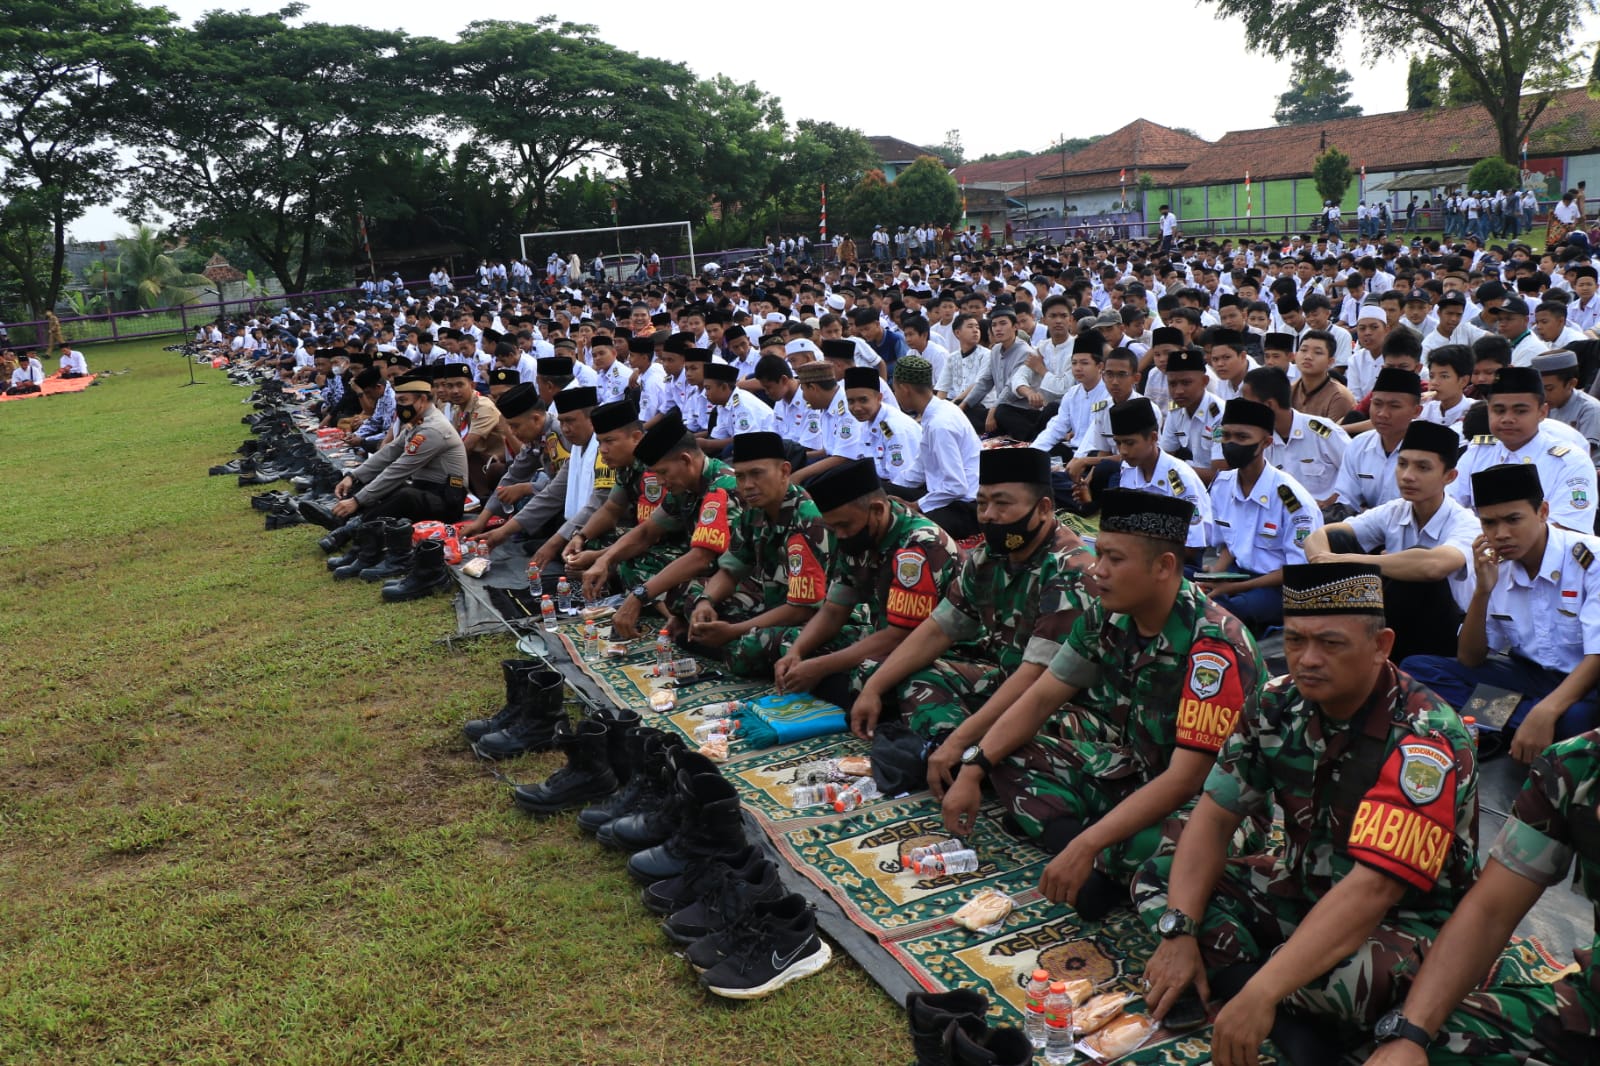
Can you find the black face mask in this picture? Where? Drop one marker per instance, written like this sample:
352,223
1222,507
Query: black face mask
1238,456
405,412
1008,537
856,543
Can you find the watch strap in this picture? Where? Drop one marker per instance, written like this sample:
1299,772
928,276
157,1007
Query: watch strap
1405,1029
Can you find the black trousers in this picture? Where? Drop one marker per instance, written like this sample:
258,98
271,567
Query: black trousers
959,519
422,503
1023,423
1423,614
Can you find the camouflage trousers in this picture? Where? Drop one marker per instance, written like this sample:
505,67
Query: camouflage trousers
754,654
1053,778
744,655
644,567
1254,910
1509,1025
941,697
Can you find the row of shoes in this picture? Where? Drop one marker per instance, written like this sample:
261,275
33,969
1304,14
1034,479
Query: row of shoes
952,1029
644,792
379,549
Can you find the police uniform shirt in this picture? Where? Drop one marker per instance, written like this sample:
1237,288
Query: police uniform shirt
1366,477
894,441
1174,477
1565,472
1311,453
1268,528
427,453
1582,413
1198,433
1551,617
743,413
950,448
1071,424
1392,527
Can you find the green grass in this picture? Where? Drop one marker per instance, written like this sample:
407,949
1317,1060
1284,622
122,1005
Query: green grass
237,821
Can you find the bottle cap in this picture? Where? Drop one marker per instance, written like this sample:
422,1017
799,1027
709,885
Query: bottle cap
1041,975
663,632
1058,986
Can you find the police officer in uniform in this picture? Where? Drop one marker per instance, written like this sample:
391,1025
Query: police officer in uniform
1537,603
419,475
1377,782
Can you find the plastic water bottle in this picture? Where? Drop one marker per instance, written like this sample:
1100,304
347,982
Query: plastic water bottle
943,847
855,794
813,795
663,647
954,862
1058,1025
535,577
564,596
716,727
1033,1008
678,668
719,710
547,611
1472,728
591,641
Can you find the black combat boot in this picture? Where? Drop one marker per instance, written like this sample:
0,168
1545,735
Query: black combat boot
338,537
586,777
930,1016
625,749
396,561
517,673
534,729
368,551
320,514
428,575
648,826
654,785
712,826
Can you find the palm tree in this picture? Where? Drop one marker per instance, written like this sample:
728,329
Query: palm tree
145,269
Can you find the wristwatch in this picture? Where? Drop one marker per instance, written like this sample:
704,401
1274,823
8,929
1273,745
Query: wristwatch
974,756
638,592
1174,923
1394,1026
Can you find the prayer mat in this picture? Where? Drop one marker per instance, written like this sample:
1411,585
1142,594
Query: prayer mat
54,386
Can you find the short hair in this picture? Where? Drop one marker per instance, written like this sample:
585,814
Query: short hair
1552,307
1326,337
863,316
1403,342
1458,357
1270,383
773,368
1315,301
914,324
1122,353
1491,348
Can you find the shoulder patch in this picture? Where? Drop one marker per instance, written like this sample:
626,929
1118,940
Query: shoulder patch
1290,501
1175,482
1582,554
1173,405
1100,405
1483,438
1321,428
1559,450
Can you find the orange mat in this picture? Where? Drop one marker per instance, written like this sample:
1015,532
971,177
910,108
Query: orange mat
54,386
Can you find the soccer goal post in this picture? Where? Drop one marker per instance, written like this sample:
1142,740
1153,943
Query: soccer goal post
589,242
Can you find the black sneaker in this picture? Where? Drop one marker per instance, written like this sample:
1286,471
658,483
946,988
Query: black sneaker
708,951
780,953
676,893
730,896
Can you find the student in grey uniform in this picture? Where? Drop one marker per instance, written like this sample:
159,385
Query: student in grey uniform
1533,624
420,475
1308,448
1366,477
1569,403
1516,410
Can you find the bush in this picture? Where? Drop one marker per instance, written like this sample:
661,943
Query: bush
1494,174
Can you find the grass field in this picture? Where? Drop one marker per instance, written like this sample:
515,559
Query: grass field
237,820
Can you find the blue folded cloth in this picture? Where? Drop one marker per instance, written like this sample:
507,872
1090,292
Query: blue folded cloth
773,720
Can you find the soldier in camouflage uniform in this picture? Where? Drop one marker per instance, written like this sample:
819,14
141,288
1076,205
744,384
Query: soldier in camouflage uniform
1553,822
1167,675
634,497
891,568
693,520
771,576
1011,604
1378,786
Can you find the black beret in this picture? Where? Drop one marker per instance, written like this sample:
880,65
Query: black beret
845,484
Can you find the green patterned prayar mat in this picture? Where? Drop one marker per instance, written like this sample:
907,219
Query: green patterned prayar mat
860,861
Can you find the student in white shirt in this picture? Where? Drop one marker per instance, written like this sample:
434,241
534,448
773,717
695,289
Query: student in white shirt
73,364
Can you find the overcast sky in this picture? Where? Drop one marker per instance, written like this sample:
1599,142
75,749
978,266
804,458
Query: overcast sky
897,77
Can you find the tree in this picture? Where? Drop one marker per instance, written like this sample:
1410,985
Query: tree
1316,93
1332,174
950,148
1424,83
925,192
145,269
870,202
743,136
1493,173
541,97
1502,47
57,104
1070,145
819,153
261,131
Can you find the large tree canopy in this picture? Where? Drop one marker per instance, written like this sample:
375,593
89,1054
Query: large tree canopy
1316,93
259,130
1503,48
